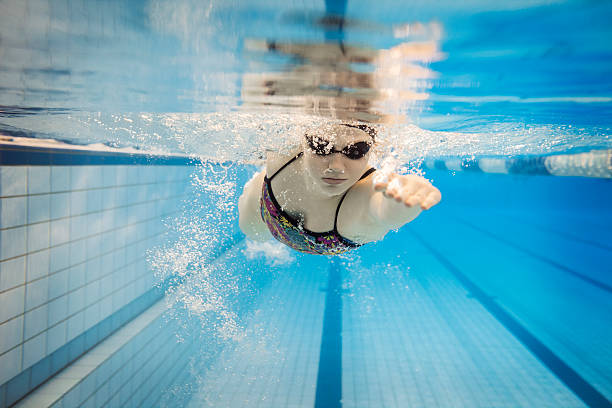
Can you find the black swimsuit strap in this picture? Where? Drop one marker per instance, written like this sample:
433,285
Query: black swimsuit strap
285,165
366,174
269,180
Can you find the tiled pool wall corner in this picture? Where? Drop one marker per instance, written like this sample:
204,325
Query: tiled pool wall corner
595,163
124,370
73,268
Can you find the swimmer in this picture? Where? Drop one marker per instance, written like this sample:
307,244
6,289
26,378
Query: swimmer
323,198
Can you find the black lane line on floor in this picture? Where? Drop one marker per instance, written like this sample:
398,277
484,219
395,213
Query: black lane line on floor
329,377
533,254
578,385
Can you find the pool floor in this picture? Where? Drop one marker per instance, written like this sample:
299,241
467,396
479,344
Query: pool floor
412,334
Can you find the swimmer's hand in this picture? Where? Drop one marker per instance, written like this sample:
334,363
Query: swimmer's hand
409,189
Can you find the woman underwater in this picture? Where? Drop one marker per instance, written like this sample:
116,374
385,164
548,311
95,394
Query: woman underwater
321,198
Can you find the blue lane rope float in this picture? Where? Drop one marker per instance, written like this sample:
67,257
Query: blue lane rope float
595,163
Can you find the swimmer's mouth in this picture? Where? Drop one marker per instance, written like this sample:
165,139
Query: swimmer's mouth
329,180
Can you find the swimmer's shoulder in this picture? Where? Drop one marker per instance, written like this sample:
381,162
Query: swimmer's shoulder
277,159
354,221
360,191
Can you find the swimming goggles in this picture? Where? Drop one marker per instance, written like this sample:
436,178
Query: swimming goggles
322,147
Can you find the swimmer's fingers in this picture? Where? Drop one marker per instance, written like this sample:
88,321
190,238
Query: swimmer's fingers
409,190
393,193
395,189
432,199
415,198
425,195
382,181
380,185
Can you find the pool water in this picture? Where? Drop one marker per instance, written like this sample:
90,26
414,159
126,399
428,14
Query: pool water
495,300
128,130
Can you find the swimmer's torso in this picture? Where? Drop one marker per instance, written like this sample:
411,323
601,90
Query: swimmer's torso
297,219
294,197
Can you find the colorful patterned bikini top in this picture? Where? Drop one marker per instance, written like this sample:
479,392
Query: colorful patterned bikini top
292,233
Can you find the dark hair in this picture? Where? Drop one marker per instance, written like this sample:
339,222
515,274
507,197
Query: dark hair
368,129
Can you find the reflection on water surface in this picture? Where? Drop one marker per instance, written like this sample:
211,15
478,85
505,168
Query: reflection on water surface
531,75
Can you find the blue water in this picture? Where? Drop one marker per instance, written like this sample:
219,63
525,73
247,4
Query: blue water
496,299
500,296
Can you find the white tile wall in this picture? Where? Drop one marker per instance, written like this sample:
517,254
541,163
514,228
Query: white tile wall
93,245
12,273
81,177
60,178
11,334
36,321
121,175
94,179
69,259
12,242
38,236
13,211
78,202
76,301
78,248
93,269
37,265
39,179
60,205
108,198
58,284
76,277
37,293
94,224
92,292
12,302
94,200
59,258
38,208
12,181
109,176
58,310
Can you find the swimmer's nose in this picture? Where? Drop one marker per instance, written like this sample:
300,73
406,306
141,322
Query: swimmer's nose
335,162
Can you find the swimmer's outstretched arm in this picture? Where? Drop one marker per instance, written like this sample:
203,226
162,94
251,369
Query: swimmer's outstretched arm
400,199
377,206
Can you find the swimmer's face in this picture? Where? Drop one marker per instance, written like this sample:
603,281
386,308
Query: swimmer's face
335,172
